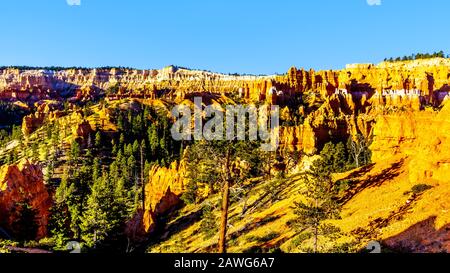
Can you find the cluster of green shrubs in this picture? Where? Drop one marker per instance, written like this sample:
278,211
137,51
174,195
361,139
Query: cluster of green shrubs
418,189
264,238
340,157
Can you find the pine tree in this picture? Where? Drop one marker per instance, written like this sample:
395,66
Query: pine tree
190,195
142,172
319,204
137,126
96,168
71,196
60,216
98,139
95,220
163,149
135,148
106,211
121,140
334,157
128,150
153,139
75,151
131,163
114,147
211,163
130,117
120,123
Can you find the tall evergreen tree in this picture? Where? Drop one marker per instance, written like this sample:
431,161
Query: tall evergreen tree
215,163
95,224
98,139
75,151
60,215
105,212
153,139
71,198
319,204
335,157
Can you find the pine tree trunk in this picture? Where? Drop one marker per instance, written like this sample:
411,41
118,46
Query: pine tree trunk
315,238
142,179
225,204
270,166
224,218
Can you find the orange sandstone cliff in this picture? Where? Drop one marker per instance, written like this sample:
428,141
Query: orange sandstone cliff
409,149
430,77
350,98
163,191
162,195
23,184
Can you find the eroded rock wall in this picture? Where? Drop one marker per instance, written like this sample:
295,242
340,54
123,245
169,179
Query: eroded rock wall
422,136
23,184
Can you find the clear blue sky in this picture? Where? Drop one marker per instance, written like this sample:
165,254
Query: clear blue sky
244,36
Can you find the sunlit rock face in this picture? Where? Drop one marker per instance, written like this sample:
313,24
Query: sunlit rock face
391,102
421,136
426,78
163,191
162,195
23,185
34,85
409,148
350,98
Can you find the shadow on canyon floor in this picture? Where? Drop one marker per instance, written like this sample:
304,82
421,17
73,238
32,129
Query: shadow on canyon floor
257,223
422,237
276,191
164,230
375,226
372,180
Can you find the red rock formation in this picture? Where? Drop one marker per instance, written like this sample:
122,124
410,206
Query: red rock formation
162,194
23,183
429,76
336,117
163,191
350,97
32,122
84,129
44,110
